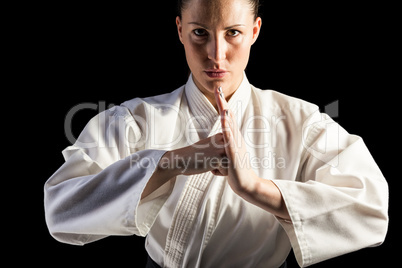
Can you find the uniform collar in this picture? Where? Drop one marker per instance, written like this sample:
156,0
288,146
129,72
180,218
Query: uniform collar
205,112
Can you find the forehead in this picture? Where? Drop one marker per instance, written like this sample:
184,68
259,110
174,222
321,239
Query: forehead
218,12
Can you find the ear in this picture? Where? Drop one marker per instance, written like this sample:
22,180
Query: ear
179,28
256,28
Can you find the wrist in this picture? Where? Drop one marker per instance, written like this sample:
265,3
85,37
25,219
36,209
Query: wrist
168,165
162,174
247,188
265,194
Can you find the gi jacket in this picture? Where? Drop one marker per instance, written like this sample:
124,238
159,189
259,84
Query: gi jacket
336,195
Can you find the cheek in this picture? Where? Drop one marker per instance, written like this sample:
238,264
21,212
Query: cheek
194,53
239,54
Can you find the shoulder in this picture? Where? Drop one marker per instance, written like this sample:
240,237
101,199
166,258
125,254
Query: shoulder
138,108
278,102
155,102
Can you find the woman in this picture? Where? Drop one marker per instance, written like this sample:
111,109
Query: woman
219,173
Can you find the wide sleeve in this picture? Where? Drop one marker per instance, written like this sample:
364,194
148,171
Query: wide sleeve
339,202
97,191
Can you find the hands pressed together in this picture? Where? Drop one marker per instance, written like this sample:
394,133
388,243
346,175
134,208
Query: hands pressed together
240,176
223,154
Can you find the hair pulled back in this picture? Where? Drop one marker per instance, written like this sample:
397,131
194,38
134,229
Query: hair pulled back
255,5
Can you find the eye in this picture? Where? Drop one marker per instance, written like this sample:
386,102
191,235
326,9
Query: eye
233,33
200,32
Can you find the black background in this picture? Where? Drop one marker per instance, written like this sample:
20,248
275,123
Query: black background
65,54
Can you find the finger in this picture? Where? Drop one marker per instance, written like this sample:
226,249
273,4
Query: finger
231,120
220,172
216,172
220,100
231,133
223,106
224,110
228,137
226,122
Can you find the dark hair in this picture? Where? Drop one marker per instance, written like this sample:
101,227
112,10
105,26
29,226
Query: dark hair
255,6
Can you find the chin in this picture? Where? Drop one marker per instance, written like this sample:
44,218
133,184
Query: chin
212,85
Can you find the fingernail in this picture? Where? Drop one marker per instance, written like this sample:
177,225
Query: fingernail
220,89
227,112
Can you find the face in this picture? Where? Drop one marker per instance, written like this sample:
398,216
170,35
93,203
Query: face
217,38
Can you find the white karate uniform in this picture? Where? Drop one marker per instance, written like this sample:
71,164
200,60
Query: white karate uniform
336,195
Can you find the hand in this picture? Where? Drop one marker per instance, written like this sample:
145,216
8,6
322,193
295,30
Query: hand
240,175
241,178
206,155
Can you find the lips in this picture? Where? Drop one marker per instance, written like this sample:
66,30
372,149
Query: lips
216,73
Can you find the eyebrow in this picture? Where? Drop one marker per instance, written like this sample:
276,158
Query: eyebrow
226,28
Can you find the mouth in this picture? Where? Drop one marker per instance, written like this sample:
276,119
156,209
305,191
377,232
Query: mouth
215,73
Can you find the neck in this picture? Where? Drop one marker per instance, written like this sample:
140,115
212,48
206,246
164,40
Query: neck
228,92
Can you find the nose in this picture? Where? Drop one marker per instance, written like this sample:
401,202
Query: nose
217,49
